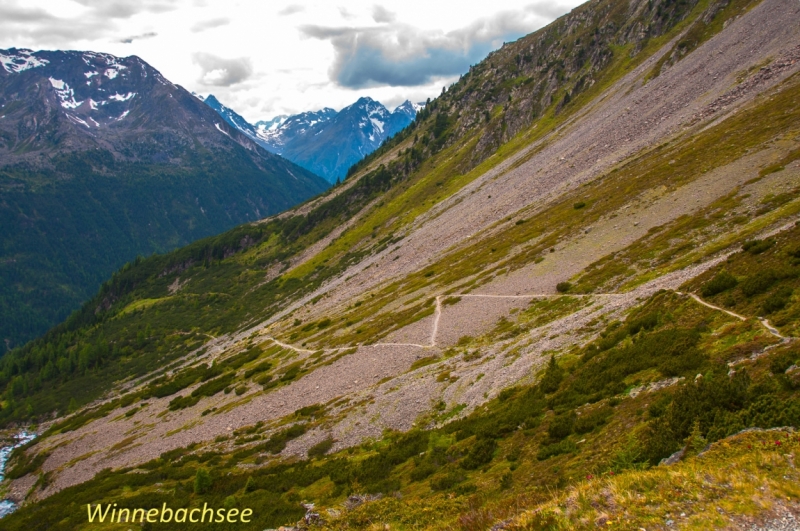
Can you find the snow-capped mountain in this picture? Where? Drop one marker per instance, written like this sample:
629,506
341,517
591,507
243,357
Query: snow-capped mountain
282,130
326,142
268,125
230,116
329,149
103,159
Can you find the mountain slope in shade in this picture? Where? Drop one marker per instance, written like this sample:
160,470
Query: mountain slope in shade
325,142
103,159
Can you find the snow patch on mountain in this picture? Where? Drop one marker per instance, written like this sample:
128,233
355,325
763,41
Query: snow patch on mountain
21,61
65,94
120,97
221,130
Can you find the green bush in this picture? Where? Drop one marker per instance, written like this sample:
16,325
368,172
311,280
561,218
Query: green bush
423,470
757,246
590,421
759,283
722,281
552,377
182,402
579,205
777,301
448,482
26,464
213,387
561,426
481,453
314,410
261,367
202,481
783,361
563,287
321,448
552,450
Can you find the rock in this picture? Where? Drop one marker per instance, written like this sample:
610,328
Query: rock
674,458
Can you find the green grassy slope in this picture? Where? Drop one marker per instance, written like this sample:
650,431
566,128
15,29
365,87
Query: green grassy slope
578,429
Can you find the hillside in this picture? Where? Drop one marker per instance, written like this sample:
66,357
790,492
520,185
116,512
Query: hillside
102,160
564,297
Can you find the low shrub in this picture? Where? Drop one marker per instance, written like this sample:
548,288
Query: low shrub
559,448
321,448
722,281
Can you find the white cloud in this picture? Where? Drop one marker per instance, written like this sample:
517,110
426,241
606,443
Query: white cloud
291,10
210,24
266,58
219,72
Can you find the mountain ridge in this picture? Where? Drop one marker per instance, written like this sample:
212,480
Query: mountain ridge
325,142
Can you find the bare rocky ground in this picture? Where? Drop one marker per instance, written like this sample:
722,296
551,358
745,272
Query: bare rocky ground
381,391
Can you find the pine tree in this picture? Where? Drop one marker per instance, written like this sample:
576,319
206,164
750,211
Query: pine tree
553,375
202,481
696,442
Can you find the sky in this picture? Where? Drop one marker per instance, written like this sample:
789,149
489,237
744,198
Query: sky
263,58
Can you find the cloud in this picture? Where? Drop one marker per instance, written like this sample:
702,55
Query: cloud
35,25
204,25
148,35
291,10
38,27
398,54
128,8
345,13
219,72
10,13
381,14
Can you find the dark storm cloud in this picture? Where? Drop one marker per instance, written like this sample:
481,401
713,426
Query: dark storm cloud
220,72
148,35
398,54
204,25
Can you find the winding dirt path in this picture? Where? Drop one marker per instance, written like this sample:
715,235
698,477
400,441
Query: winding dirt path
764,322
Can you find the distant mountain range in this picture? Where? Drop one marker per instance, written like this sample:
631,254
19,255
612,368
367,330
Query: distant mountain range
325,142
103,159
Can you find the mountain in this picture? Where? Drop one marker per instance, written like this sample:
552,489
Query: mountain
103,159
282,130
230,116
325,142
564,297
330,148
